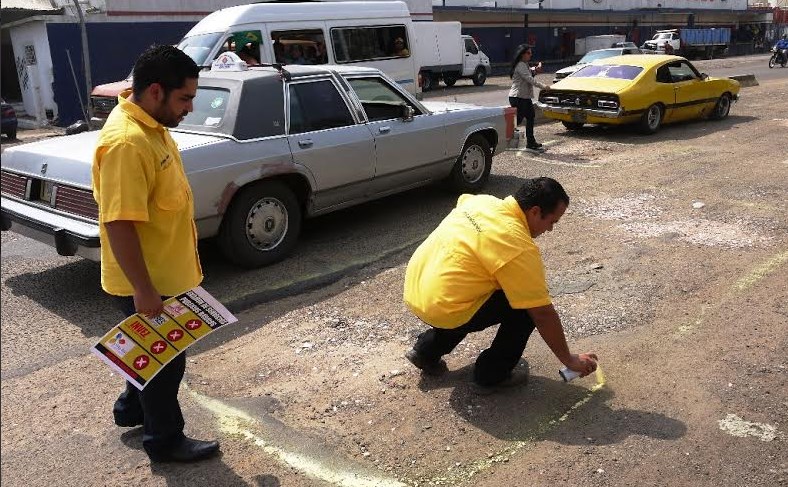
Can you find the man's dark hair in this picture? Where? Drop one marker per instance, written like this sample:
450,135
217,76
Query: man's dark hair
165,65
545,193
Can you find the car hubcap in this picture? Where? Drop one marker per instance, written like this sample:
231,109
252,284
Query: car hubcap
473,162
653,117
266,224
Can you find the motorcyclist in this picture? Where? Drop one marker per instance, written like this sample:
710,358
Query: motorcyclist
780,48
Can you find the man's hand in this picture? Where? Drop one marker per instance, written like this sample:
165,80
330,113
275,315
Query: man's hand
584,363
148,302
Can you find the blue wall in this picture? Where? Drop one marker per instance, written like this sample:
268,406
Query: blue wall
114,47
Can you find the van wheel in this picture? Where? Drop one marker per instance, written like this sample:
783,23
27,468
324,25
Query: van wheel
651,120
472,169
479,76
722,108
449,80
427,81
261,226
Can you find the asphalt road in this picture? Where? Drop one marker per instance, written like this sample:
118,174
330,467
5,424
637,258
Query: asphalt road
686,306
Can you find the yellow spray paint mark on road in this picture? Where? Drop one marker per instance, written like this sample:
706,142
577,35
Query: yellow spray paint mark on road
234,422
556,163
761,271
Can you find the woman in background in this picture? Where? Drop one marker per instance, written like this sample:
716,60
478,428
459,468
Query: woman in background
522,91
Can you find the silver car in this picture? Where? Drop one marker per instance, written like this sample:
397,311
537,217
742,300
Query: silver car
264,148
592,56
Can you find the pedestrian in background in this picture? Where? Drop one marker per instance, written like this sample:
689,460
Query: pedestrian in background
481,267
147,232
522,92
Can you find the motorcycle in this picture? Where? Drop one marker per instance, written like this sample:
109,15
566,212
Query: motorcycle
779,56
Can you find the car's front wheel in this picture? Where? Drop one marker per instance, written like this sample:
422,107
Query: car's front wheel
261,226
722,108
472,169
573,125
479,76
652,119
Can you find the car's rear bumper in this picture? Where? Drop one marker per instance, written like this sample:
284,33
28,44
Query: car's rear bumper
67,235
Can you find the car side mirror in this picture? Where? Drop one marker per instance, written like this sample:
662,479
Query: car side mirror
704,76
406,112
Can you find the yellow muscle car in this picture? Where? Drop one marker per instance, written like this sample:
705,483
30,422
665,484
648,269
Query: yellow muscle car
645,89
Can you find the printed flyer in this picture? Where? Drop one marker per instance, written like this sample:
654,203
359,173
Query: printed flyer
138,347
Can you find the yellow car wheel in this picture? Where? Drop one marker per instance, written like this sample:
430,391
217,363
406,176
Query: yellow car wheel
652,119
573,125
722,108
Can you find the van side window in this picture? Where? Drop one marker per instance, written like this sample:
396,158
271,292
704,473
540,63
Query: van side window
305,46
245,43
470,46
354,44
317,105
379,99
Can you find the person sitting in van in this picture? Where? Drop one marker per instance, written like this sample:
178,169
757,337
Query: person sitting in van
322,55
399,48
297,55
310,55
279,52
249,53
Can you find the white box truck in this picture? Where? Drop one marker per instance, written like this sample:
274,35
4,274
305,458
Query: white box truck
443,53
592,43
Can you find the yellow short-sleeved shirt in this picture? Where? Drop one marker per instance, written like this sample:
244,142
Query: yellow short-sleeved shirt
138,176
483,245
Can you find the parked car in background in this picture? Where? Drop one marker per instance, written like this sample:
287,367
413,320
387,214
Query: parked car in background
645,89
443,53
9,121
593,56
690,42
264,149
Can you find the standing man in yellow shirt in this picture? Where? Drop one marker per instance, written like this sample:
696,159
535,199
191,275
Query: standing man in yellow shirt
147,232
481,267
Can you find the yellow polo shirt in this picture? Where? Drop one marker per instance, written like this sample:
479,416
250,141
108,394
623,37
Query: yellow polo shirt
483,245
138,176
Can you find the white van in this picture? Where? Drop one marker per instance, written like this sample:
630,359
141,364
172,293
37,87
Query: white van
375,34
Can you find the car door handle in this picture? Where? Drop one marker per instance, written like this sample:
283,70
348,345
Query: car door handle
384,130
305,143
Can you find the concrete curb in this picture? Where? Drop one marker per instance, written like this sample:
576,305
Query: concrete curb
745,80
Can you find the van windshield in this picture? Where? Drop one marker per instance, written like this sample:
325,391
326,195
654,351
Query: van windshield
198,47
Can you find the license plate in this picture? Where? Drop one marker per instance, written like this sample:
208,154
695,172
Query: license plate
579,117
47,191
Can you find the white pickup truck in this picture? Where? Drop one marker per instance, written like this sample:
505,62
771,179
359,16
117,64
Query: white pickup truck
443,53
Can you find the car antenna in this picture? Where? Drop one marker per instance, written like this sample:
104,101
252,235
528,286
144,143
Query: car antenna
285,74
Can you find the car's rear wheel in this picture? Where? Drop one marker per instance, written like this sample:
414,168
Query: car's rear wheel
427,81
11,133
652,119
472,169
262,224
479,76
722,108
449,80
573,125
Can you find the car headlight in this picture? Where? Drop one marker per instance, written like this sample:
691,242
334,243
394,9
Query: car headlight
550,99
607,104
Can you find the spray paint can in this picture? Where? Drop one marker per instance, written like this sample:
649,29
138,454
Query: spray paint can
568,374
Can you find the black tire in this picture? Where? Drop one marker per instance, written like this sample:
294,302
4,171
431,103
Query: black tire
652,119
722,107
479,76
261,226
11,134
573,125
449,80
472,169
427,81
772,61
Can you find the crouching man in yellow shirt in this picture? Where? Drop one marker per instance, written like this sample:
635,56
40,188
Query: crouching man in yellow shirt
481,267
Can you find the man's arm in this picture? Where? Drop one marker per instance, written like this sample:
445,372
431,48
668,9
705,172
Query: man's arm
125,244
549,325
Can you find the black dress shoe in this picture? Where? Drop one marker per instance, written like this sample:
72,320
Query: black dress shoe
187,450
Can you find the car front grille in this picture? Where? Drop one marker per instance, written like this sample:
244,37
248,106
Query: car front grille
14,185
67,199
103,104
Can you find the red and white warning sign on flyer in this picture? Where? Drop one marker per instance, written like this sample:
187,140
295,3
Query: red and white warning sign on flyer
138,347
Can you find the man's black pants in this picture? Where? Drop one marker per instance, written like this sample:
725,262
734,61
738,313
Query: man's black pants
497,362
157,405
525,110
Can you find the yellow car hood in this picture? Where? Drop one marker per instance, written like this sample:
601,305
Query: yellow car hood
597,85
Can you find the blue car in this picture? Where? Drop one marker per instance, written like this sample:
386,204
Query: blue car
9,120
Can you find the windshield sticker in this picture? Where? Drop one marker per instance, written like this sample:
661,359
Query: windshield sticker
217,102
212,121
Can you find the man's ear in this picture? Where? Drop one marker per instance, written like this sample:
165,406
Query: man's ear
156,91
534,212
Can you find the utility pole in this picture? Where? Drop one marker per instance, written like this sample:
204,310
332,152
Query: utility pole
86,60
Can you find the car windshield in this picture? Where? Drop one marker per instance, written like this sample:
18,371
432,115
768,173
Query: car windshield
594,55
199,47
665,35
609,71
209,111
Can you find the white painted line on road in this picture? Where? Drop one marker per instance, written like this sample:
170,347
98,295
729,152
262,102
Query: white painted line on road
761,271
234,422
555,163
